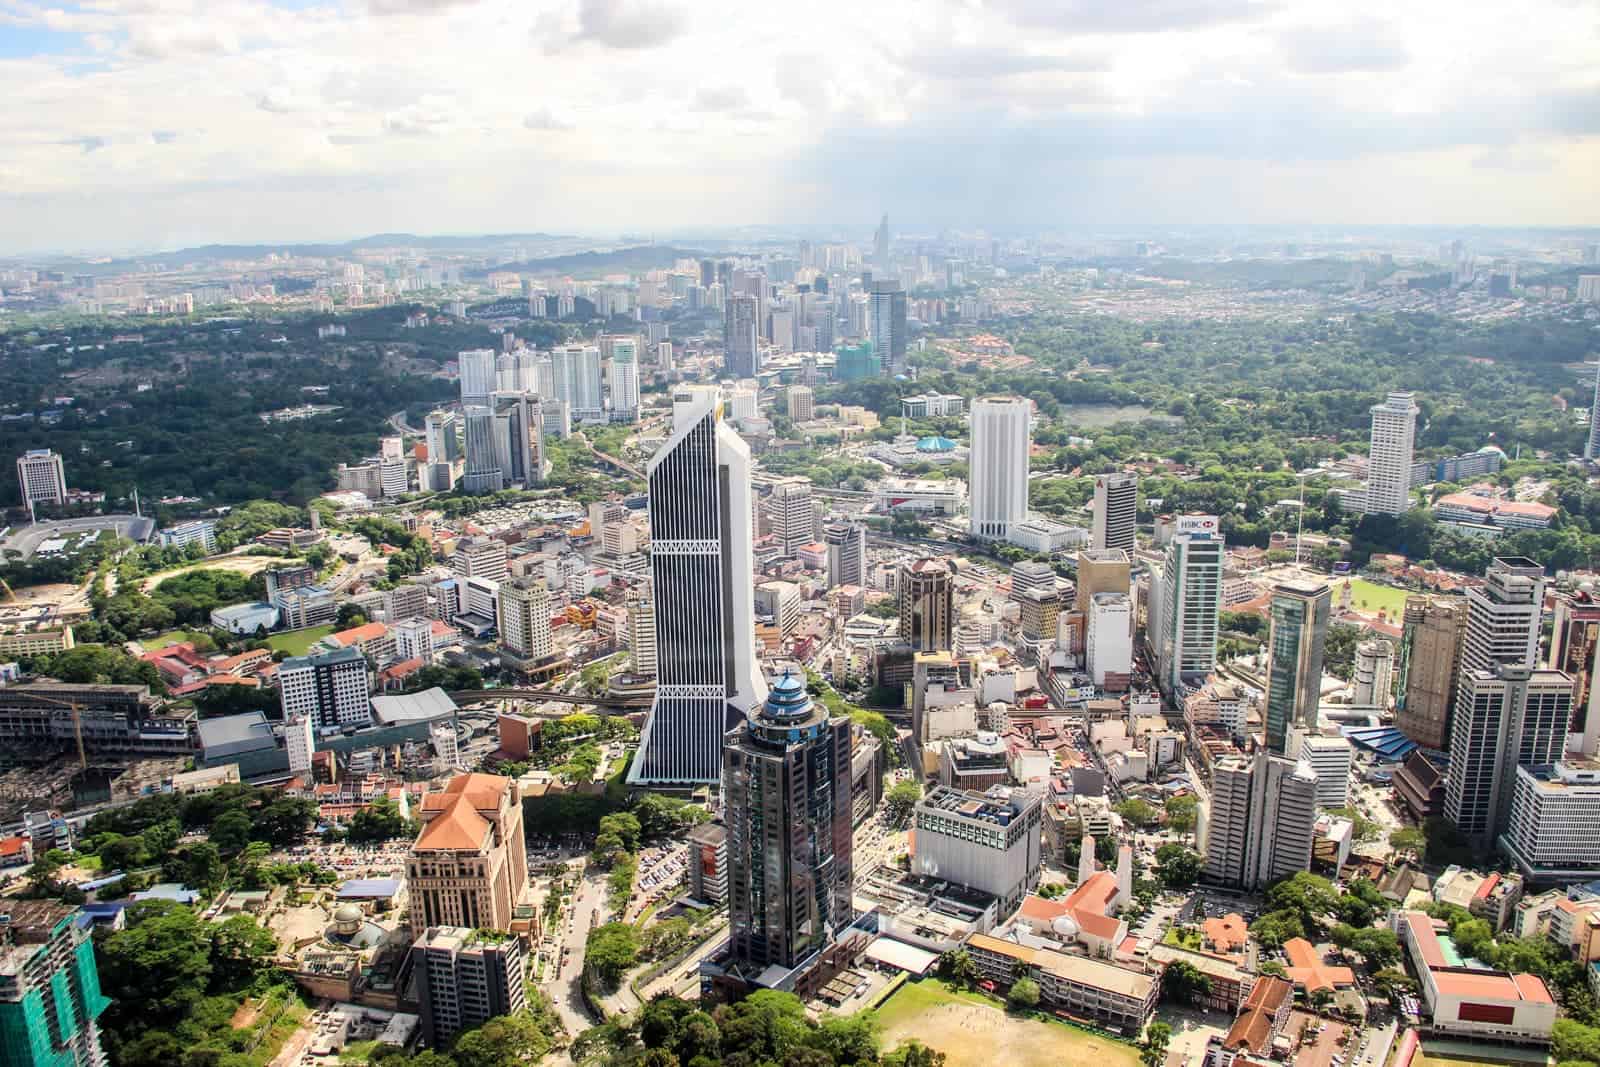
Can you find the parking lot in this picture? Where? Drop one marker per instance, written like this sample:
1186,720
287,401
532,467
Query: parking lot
352,861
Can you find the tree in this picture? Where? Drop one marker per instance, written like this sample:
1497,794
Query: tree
1185,983
1276,927
157,968
901,798
1182,813
1178,866
504,1041
284,821
914,1054
625,827
610,950
240,949
847,1039
1138,812
1157,1036
1410,839
197,865
1023,994
765,1026
379,821
231,832
957,968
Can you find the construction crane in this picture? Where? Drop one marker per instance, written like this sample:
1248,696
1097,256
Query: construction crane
77,724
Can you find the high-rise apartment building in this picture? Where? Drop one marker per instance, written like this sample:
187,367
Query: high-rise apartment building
575,373
999,466
642,632
50,994
478,376
701,563
1294,665
524,622
1116,512
624,355
786,796
926,589
740,333
1394,432
1187,600
1106,570
330,687
1428,668
469,864
42,478
847,553
464,978
791,513
479,557
888,301
1506,716
1261,821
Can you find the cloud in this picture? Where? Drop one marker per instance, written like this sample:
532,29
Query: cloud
726,98
346,139
182,40
413,7
163,136
1515,161
89,143
1366,45
415,122
630,24
281,100
986,62
545,119
1132,16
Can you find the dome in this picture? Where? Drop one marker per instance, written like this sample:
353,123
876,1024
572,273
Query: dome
347,919
788,698
1066,927
935,444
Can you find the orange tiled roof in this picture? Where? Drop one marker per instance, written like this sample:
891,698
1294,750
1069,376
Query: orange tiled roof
457,827
1307,969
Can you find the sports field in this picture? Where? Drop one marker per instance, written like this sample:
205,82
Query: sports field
296,642
1444,1059
975,1032
1371,598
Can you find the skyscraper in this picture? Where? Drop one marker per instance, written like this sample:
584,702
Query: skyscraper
519,439
642,631
1503,616
880,246
1106,570
1574,639
847,553
483,472
702,570
1505,717
575,374
41,477
1394,431
330,687
1261,821
1189,601
439,430
49,988
300,742
1428,668
889,325
786,791
624,355
1591,448
476,370
524,623
742,354
1294,670
1116,498
791,514
927,614
999,466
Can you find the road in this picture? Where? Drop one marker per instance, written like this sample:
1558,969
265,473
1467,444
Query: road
566,989
1378,1042
26,539
398,421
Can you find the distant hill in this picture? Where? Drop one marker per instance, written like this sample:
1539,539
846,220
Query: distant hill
642,257
382,240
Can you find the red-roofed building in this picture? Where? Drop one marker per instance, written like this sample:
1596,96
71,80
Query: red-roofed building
395,675
1266,1010
373,640
1473,1002
15,852
1310,972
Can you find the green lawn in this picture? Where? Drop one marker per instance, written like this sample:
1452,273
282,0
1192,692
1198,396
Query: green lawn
1440,1059
297,642
171,637
974,1031
1372,597
1187,937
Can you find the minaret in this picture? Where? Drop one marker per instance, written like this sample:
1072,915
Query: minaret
1086,859
1124,875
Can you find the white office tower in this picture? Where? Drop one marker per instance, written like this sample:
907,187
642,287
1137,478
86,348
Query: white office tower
642,632
393,476
1189,602
1554,811
1116,511
624,353
1374,673
519,439
1503,616
1506,717
575,373
847,554
743,402
1591,449
999,466
664,356
330,687
524,622
300,742
791,515
1262,817
1108,644
1330,757
446,745
1394,432
483,471
702,577
42,477
413,639
477,374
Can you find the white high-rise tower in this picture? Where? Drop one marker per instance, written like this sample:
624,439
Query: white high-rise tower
999,466
1394,433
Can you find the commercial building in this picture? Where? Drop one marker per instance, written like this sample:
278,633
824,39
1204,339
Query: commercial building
202,532
1108,641
50,994
1555,809
24,643
701,562
483,473
740,315
1262,820
786,796
464,978
41,477
110,719
924,497
413,639
305,606
708,863
1101,571
1116,512
469,864
888,307
479,557
575,372
1574,638
933,406
791,514
926,589
800,403
847,553
1294,666
1503,616
524,622
1473,1002
642,632
1504,718
1186,599
300,742
1394,431
985,841
999,466
1374,673
1428,668
1330,757
519,439
330,688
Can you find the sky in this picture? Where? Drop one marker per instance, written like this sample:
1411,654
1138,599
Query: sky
147,124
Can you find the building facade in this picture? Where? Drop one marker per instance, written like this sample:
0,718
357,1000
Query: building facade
1294,668
1261,821
847,553
985,841
41,477
999,466
1428,668
1116,512
464,978
524,610
1394,431
1504,718
331,688
1186,610
926,590
469,864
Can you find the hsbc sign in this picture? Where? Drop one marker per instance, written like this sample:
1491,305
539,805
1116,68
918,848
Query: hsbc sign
1197,524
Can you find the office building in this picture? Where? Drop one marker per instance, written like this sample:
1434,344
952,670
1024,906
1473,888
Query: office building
1428,668
413,639
439,435
926,589
1101,571
847,553
1186,601
300,742
1032,576
202,532
642,632
1574,637
524,609
987,841
575,380
464,978
1108,640
469,863
479,557
786,797
1116,512
519,439
1506,717
41,477
50,994
791,514
1374,673
1394,431
624,355
1503,616
1262,819
800,403
477,372
708,862
1330,757
880,246
329,687
305,606
483,473
1294,667
888,303
999,466
701,564
1554,812
741,313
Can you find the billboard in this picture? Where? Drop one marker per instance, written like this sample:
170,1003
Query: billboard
1198,524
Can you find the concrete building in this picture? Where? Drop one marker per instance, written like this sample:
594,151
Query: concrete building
50,994
479,557
1262,820
476,369
741,313
576,380
300,741
800,403
847,553
24,643
1108,640
464,978
1374,673
519,432
888,309
330,688
1101,571
41,477
779,601
642,632
623,352
1330,757
926,589
791,514
1187,599
708,862
1427,670
984,841
413,639
1473,1002
1574,639
469,864
1555,809
1294,665
1104,993
1503,616
1116,514
999,466
1394,431
524,622
1504,718
202,532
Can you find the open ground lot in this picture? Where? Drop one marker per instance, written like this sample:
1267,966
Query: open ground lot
1455,1054
296,642
1372,598
974,1032
237,564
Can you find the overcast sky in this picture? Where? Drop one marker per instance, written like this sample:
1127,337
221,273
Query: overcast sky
159,123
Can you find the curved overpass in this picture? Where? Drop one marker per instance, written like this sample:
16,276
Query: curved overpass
478,696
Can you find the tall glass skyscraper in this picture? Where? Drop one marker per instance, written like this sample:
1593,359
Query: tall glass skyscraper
1294,672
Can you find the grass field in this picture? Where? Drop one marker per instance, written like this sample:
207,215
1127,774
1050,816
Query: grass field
1445,1059
1370,597
972,1031
296,642
171,637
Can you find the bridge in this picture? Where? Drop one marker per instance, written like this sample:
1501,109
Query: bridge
613,461
464,697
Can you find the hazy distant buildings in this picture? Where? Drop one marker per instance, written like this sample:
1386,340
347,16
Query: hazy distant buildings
740,316
42,477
